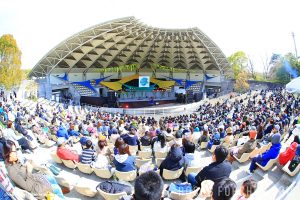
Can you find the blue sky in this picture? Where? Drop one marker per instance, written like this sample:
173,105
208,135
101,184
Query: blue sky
258,28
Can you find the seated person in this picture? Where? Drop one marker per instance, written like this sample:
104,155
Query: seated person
146,139
215,140
288,154
123,161
177,140
63,152
119,141
272,153
160,145
21,141
220,168
295,161
229,137
248,188
88,153
148,186
173,161
23,175
10,191
224,189
131,138
248,147
62,132
204,137
72,132
102,147
190,157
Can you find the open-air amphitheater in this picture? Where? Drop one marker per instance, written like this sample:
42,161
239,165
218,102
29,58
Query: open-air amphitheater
274,182
126,68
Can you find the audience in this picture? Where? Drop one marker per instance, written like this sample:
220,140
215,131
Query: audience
191,158
173,161
223,189
248,188
220,168
272,153
123,161
23,175
148,186
271,115
88,153
288,154
63,152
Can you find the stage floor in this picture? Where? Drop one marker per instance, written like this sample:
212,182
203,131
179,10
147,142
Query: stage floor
146,99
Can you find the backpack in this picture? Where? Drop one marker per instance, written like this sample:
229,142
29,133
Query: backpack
114,187
180,187
294,163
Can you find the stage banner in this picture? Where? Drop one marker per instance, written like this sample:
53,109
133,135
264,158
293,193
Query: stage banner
208,77
144,81
188,83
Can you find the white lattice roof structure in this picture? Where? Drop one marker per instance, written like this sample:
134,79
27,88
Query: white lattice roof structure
128,41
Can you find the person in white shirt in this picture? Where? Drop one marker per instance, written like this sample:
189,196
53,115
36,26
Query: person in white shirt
160,145
191,158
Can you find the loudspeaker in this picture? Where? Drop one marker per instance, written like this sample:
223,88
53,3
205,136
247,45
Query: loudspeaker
101,92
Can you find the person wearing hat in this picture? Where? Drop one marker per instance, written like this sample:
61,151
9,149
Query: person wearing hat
248,147
229,137
63,152
102,147
272,153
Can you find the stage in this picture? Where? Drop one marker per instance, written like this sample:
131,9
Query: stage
144,102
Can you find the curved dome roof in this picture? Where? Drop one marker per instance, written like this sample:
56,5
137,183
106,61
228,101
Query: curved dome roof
128,41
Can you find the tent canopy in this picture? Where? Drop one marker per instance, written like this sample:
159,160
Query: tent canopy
293,86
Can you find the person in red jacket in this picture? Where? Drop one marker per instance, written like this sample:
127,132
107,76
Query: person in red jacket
288,154
64,153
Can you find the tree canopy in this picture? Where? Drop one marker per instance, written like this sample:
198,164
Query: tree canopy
238,61
11,74
241,83
285,68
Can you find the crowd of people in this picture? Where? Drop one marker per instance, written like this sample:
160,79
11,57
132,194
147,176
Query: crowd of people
106,141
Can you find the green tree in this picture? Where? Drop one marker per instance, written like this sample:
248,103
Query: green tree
294,62
241,83
238,61
281,73
11,74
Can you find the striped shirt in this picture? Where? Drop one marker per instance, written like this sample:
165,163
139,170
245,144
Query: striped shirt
5,182
87,156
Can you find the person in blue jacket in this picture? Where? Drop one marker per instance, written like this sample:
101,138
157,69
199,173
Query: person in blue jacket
272,153
131,139
123,161
174,159
62,132
72,132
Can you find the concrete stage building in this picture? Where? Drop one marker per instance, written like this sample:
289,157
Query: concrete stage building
102,66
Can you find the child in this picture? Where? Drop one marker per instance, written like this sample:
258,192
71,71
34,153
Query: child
88,153
248,188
